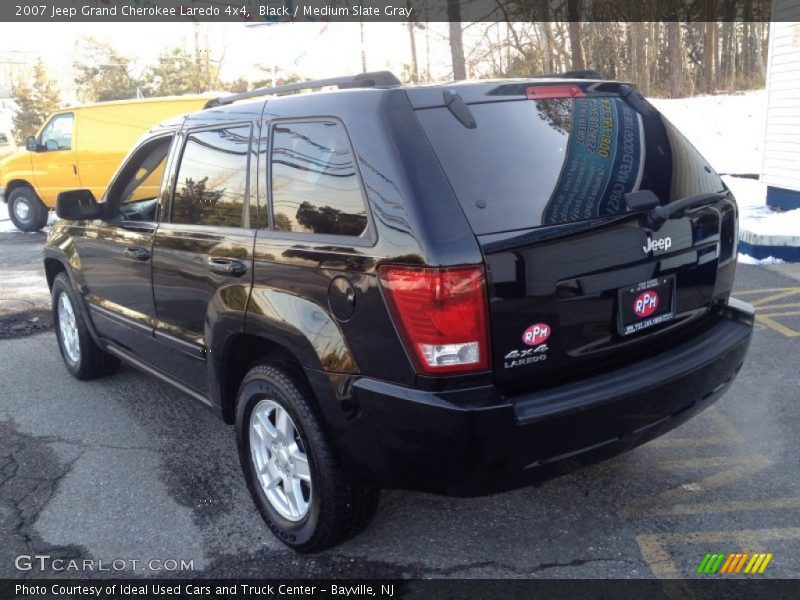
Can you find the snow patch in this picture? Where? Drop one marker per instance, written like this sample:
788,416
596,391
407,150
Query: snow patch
746,259
728,130
756,218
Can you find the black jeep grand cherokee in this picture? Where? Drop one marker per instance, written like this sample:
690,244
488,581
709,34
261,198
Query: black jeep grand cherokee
455,288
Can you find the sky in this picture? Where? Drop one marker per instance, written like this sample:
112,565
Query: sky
309,49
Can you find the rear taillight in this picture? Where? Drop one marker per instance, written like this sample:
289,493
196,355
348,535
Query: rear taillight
550,92
441,316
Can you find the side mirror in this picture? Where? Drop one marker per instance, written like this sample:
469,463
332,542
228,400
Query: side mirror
51,145
30,143
77,205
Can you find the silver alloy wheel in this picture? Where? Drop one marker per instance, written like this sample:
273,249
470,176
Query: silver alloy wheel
69,328
21,209
280,460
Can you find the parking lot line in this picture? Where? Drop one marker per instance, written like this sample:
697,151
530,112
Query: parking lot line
702,508
654,545
685,491
774,325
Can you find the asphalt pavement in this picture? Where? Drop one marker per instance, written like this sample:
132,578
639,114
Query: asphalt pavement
127,469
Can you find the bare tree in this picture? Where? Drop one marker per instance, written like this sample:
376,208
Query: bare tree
414,64
456,40
575,34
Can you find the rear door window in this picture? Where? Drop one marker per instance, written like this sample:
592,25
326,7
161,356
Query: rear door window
545,162
211,185
315,184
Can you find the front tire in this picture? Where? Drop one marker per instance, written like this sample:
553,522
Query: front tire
83,358
26,210
295,478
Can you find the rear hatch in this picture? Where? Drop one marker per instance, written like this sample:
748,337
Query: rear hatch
578,282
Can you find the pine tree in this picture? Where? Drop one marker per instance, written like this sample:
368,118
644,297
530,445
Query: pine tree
104,74
178,73
35,101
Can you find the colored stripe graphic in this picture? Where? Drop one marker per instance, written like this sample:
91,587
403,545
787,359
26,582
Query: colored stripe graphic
741,562
734,562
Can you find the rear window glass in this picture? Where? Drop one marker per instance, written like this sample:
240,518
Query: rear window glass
545,162
315,185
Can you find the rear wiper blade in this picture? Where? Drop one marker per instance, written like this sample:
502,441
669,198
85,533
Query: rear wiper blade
657,214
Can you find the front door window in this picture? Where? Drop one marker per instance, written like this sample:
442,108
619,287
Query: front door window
57,134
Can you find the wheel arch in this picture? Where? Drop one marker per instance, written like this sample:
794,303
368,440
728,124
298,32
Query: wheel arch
17,183
240,353
52,267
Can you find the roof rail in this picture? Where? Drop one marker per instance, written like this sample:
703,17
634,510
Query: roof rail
585,74
375,79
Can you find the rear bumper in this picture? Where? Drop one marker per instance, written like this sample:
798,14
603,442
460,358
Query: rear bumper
473,442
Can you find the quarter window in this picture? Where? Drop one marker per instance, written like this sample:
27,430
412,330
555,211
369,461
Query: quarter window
212,178
315,184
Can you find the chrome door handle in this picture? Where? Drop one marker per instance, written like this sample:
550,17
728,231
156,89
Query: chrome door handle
136,253
226,266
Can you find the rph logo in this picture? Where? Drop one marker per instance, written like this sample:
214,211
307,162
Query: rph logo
663,244
645,304
536,334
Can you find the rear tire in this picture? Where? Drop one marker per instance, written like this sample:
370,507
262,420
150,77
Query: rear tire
83,358
332,506
26,210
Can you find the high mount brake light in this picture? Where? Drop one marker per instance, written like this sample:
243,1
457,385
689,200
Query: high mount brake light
441,316
551,92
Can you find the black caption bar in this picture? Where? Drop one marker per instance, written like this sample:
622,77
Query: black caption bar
281,11
585,589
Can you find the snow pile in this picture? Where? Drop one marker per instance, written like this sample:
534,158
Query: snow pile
728,130
5,223
758,224
746,259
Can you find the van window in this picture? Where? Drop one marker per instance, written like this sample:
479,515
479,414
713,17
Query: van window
211,184
532,163
57,134
315,184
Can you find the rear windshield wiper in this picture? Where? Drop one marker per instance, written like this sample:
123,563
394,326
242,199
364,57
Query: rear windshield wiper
658,214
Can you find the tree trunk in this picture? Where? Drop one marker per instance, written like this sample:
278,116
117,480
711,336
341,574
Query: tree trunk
414,64
675,78
708,55
363,49
547,52
456,42
575,38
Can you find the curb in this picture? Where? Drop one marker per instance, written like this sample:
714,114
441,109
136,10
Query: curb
759,246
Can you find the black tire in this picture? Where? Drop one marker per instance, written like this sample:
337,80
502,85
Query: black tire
92,361
26,210
340,506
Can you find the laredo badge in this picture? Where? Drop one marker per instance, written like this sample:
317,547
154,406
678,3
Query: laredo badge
534,336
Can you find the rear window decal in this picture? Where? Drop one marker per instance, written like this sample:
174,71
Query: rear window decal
604,161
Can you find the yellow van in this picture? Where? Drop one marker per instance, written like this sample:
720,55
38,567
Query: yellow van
79,147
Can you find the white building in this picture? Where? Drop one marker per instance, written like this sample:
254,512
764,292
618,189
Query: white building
781,169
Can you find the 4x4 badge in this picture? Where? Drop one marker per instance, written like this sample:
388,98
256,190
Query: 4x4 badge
517,358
